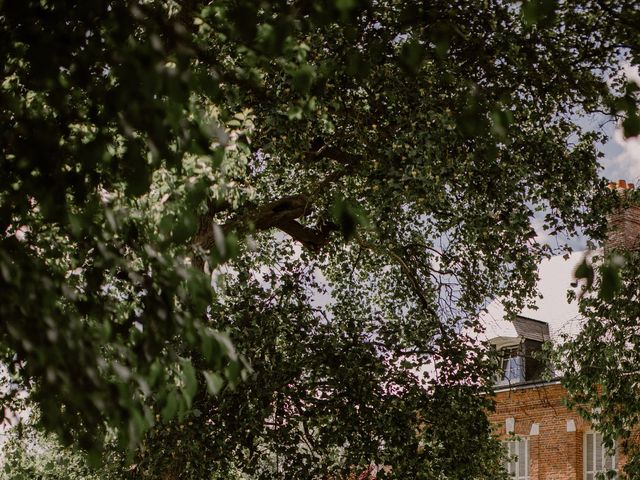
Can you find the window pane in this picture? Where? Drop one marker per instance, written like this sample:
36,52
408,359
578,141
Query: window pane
597,459
599,452
522,457
516,458
514,370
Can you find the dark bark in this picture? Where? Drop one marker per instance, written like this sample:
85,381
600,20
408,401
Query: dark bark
284,213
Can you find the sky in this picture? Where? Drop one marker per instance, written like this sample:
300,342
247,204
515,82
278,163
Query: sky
556,279
622,157
621,161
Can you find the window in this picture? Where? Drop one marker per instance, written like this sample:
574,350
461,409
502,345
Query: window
597,460
512,370
517,459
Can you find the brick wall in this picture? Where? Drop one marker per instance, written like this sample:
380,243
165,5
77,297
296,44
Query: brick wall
624,229
555,453
624,225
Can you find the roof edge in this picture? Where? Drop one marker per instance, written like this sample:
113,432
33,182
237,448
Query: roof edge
528,385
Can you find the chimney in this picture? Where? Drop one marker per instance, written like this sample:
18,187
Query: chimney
624,224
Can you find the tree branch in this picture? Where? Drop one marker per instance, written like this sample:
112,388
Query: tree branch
281,214
284,212
334,153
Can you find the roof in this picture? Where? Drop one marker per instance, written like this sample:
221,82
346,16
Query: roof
531,329
556,279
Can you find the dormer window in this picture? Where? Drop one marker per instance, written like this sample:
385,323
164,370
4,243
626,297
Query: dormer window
519,360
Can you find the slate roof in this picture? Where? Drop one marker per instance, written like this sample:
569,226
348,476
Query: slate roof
532,329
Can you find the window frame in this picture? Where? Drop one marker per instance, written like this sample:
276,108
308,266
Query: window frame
507,354
603,461
509,461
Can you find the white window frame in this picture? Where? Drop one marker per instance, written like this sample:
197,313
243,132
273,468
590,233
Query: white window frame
512,364
512,460
591,474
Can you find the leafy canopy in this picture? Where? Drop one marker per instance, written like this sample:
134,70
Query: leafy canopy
600,363
356,178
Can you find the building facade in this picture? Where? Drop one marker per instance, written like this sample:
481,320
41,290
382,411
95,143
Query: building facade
544,440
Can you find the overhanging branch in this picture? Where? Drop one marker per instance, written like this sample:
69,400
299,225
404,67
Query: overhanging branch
284,213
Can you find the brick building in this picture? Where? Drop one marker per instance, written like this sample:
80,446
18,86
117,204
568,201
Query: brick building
549,441
543,439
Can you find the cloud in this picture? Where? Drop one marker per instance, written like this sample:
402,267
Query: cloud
631,72
625,163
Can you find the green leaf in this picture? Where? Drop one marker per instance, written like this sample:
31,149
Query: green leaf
138,174
303,77
232,245
348,217
209,347
226,345
295,112
189,379
610,281
170,407
184,227
585,271
631,125
345,6
214,382
540,12
232,372
412,55
501,121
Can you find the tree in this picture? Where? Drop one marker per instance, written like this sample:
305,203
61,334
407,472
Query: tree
28,454
600,363
386,155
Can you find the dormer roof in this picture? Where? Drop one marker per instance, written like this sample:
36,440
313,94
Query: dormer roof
530,329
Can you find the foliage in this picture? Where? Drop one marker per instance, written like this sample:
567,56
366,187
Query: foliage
358,177
30,455
600,364
106,170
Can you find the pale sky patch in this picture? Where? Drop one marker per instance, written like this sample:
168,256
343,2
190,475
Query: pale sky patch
557,277
625,165
622,156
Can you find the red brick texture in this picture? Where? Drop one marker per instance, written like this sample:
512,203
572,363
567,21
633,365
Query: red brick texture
624,229
554,454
